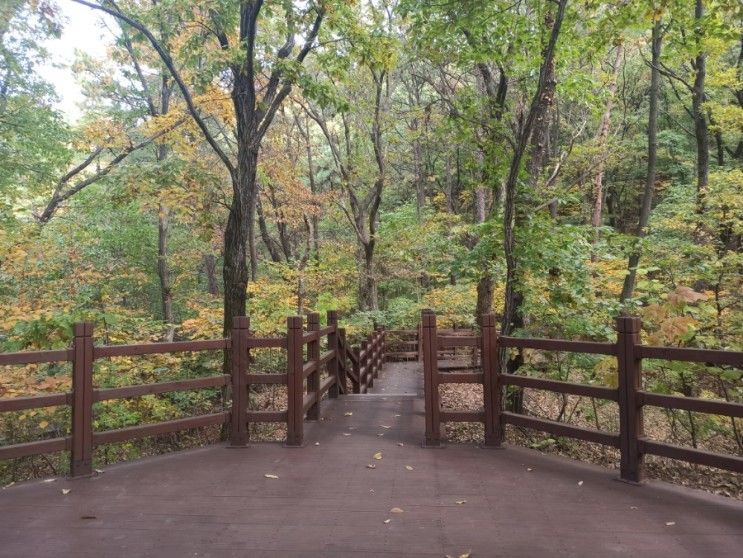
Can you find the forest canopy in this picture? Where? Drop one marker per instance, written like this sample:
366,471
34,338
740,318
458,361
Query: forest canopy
556,162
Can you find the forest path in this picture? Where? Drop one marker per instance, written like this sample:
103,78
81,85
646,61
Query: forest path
327,501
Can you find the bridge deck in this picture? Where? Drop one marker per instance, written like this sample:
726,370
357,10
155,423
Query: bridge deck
326,502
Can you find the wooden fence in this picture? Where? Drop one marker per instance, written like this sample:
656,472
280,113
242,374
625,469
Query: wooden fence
629,395
302,378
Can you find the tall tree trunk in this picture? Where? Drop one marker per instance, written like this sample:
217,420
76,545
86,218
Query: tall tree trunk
368,294
647,197
701,131
602,140
210,269
163,231
513,209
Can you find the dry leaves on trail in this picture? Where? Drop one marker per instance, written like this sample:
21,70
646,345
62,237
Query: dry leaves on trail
371,466
378,455
409,467
385,426
66,491
580,483
397,510
670,523
467,554
386,521
460,502
348,414
271,476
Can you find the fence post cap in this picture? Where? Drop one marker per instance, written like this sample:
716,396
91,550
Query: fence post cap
428,319
332,316
294,322
240,322
313,318
628,324
487,320
83,329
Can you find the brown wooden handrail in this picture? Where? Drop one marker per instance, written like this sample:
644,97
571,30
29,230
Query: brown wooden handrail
303,379
629,396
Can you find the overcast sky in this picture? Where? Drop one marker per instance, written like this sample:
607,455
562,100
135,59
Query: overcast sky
82,31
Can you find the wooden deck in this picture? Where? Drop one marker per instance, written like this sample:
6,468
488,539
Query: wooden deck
326,502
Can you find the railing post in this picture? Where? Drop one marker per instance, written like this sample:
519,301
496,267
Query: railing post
420,341
430,379
342,360
334,363
356,365
295,382
491,389
313,355
364,367
82,401
239,357
630,410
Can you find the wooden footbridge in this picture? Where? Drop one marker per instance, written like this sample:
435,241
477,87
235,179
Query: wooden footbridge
352,478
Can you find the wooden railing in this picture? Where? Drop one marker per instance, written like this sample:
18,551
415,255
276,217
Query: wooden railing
303,379
366,360
629,395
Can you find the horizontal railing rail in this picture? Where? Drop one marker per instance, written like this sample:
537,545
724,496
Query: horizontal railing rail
628,395
303,378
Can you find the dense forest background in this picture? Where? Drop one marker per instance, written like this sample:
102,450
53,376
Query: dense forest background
557,162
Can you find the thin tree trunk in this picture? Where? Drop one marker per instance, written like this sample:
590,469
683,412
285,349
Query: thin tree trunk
647,197
602,140
701,131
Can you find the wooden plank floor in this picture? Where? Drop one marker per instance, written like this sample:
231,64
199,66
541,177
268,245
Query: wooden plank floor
326,502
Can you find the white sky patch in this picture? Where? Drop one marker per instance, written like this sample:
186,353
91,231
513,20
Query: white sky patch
84,31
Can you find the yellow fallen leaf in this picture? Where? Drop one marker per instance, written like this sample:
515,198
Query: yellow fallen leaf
270,476
409,467
378,455
396,510
466,554
66,491
43,424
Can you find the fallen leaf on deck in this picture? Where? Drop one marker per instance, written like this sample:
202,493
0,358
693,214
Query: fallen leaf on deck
670,523
378,455
317,443
396,510
348,414
270,476
400,444
383,426
397,415
380,434
465,555
409,467
387,521
580,483
99,471
66,491
371,466
460,502
48,480
529,469
346,433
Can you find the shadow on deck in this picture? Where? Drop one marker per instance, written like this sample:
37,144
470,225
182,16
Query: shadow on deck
326,502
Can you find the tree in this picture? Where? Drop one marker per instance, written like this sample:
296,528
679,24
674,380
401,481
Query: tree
241,56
